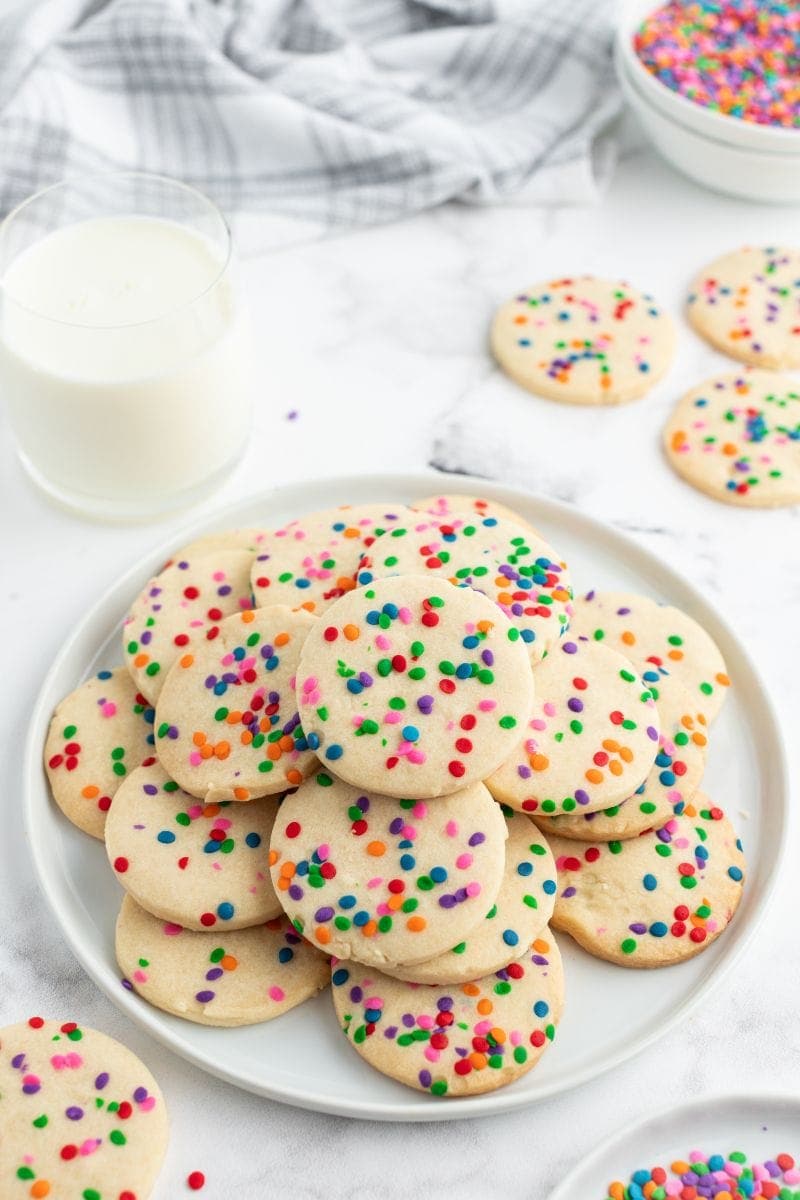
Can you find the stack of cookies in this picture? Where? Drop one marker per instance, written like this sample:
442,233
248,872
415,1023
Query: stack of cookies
384,747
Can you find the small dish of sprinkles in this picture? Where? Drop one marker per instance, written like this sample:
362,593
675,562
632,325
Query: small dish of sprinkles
739,58
714,1176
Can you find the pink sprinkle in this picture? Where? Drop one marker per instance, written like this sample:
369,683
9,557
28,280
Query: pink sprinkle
146,1105
487,705
549,708
89,1146
463,861
140,976
473,889
171,929
420,810
276,993
425,1022
451,828
108,709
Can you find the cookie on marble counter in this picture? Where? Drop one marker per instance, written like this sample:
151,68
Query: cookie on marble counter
673,780
412,687
656,899
98,734
80,1114
517,918
503,560
227,726
657,636
591,740
312,561
386,880
584,340
197,865
747,304
454,1040
181,609
737,438
235,977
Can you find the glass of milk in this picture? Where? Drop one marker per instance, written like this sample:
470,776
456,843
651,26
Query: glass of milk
125,358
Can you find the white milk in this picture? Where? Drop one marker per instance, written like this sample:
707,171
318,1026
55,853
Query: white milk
125,362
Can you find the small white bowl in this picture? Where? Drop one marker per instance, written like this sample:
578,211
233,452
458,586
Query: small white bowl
726,154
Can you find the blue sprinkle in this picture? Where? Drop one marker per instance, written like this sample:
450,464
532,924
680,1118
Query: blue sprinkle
525,868
225,910
166,836
253,840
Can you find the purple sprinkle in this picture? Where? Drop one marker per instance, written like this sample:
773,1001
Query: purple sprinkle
324,914
363,803
74,1113
408,1020
540,960
102,1079
663,835
590,595
146,637
623,612
140,1095
461,895
296,892
214,973
652,733
18,1060
569,648
30,1089
581,796
150,789
292,414
638,927
447,901
425,704
574,704
524,772
568,892
356,994
444,1004
476,839
425,1079
396,825
204,997
126,983
488,658
390,1031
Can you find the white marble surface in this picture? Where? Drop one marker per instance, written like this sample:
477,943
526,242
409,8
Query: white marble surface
377,339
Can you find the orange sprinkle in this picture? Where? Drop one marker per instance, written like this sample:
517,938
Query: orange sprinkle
394,902
322,935
498,1034
90,791
416,924
376,849
245,737
294,776
141,660
594,776
485,626
370,929
39,1189
484,1007
206,751
611,744
678,439
626,754
241,793
351,632
478,1060
228,962
471,989
288,869
198,738
222,749
730,449
282,639
286,742
615,767
629,638
248,615
723,679
350,532
541,946
273,751
187,660
233,718
539,762
273,857
211,810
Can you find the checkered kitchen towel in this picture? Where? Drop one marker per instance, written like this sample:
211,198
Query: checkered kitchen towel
339,112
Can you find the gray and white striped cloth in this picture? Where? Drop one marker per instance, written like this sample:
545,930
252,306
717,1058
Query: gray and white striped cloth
336,112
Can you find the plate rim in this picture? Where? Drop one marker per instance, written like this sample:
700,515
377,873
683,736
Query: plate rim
779,1099
424,482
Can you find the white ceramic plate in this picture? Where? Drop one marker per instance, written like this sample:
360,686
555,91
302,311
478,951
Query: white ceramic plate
302,1058
759,1126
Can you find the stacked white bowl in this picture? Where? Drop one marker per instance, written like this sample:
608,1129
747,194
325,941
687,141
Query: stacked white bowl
725,153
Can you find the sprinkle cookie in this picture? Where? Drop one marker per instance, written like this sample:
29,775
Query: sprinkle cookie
673,780
456,1040
737,438
98,733
199,865
385,880
413,687
517,918
179,610
521,573
656,899
747,304
451,505
656,636
227,726
583,341
240,977
312,561
82,1117
592,738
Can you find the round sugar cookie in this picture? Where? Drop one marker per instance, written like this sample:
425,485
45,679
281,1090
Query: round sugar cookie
81,1118
520,572
674,777
592,738
453,504
518,916
459,1039
656,899
227,726
313,561
385,880
199,865
98,733
413,687
179,610
237,977
737,438
583,340
656,635
747,304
